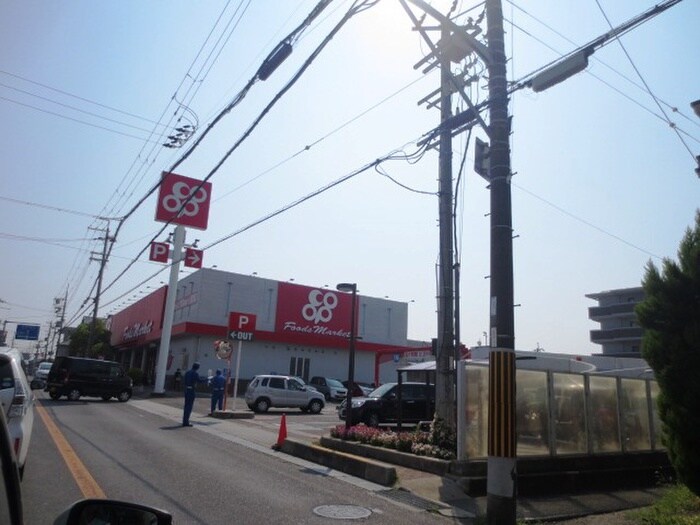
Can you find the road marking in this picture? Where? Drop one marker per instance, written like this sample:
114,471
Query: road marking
86,483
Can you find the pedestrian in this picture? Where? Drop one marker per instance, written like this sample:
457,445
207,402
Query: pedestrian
218,384
191,380
177,378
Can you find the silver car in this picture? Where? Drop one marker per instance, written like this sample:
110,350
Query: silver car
17,401
42,371
276,391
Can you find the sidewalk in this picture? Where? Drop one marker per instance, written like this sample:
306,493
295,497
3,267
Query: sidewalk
440,494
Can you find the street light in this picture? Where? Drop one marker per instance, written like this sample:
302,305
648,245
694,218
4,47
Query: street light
350,287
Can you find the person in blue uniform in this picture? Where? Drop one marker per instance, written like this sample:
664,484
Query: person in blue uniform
190,383
218,384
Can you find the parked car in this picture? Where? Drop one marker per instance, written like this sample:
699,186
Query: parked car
17,401
42,371
360,389
332,389
79,376
277,391
382,406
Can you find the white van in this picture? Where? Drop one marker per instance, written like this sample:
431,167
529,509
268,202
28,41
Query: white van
17,401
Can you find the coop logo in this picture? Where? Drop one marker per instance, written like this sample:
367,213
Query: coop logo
183,200
137,330
320,307
181,191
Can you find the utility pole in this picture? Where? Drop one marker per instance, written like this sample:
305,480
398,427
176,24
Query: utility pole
501,463
103,262
444,371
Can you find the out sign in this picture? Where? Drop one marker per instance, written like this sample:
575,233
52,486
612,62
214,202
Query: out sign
241,326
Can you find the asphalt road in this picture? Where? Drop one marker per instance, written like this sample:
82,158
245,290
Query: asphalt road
137,451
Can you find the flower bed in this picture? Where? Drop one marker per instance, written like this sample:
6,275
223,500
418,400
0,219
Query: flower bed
433,443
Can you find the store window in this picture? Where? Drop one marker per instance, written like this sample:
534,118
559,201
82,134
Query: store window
299,367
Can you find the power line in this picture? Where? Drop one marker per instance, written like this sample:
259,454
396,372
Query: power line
646,85
357,7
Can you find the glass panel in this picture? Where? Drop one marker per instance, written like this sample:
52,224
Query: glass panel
635,415
604,433
658,443
477,412
569,414
532,412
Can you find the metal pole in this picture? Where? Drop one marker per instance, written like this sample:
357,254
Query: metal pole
162,363
350,287
501,463
238,369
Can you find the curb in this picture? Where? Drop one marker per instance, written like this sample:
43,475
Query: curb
368,469
436,466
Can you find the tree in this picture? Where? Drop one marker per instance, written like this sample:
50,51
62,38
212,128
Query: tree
670,316
100,347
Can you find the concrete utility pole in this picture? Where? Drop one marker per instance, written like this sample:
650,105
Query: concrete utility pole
103,263
502,474
444,370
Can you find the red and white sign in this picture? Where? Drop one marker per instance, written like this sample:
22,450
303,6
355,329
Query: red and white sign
183,200
193,258
312,314
241,326
159,252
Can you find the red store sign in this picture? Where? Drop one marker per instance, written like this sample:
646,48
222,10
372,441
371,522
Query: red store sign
311,315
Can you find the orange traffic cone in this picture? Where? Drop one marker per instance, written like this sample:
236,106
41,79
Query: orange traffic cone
282,433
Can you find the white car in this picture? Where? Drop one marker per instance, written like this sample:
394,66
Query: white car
17,401
274,391
42,371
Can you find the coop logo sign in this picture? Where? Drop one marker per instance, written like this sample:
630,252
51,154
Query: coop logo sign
320,307
312,312
137,330
183,200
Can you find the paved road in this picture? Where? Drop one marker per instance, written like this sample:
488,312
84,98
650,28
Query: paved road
219,471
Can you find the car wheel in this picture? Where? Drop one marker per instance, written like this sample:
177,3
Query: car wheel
106,397
262,405
74,394
315,406
372,419
327,396
124,396
54,395
304,409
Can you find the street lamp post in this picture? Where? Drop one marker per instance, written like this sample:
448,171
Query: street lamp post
350,287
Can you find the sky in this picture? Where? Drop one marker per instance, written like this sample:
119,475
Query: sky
89,92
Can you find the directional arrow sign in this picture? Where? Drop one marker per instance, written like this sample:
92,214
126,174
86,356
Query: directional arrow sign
193,258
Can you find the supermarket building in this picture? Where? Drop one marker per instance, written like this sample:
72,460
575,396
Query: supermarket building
299,330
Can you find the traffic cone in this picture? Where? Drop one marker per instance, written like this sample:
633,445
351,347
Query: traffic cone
282,433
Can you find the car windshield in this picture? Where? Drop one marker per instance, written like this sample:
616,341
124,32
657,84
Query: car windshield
335,383
45,366
381,390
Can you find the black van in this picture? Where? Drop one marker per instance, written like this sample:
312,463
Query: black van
383,406
79,376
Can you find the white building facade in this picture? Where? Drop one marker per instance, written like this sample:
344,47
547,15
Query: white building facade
298,330
619,334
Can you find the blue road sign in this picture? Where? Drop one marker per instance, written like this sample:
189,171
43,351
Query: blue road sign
27,332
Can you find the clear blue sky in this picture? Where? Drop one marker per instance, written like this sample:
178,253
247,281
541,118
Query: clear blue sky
602,184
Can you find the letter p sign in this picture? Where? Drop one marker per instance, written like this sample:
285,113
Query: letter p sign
159,252
241,322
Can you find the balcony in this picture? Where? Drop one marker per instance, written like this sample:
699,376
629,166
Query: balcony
596,313
616,334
